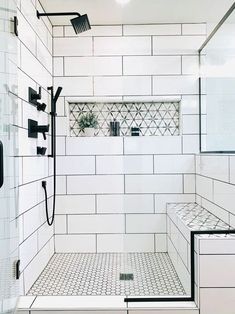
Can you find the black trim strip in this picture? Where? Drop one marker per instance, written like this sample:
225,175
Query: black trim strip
191,298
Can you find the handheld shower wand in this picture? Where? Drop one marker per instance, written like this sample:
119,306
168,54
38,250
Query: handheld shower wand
53,114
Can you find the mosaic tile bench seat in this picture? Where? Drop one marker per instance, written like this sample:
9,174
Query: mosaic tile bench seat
182,218
191,216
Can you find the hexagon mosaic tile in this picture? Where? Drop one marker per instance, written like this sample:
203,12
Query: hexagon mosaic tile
99,274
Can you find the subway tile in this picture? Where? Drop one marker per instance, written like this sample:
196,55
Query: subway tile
60,224
61,184
74,86
162,98
33,219
204,187
58,66
125,243
174,164
217,246
224,195
104,46
80,302
217,271
75,204
45,233
60,146
189,183
217,300
30,65
75,243
27,250
76,46
58,31
34,196
160,243
160,29
100,184
145,223
158,65
62,124
122,85
94,146
34,269
97,30
26,33
194,29
91,66
189,104
161,200
152,145
72,165
190,124
172,45
125,203
190,144
185,84
34,168
124,164
216,167
153,184
96,224
44,56
190,65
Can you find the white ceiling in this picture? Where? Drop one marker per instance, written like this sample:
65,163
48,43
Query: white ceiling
140,11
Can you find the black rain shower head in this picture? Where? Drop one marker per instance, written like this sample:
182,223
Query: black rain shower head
80,23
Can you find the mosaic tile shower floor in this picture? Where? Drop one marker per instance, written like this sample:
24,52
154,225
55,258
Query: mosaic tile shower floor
99,274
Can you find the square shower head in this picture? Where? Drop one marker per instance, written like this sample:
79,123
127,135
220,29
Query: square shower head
81,24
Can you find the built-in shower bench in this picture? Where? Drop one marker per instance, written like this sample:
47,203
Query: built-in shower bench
190,226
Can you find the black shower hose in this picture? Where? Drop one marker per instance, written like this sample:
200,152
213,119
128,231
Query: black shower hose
44,183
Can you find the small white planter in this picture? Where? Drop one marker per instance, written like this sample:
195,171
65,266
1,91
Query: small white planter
89,132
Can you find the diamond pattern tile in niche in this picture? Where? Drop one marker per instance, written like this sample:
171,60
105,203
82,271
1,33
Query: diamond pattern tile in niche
153,118
99,274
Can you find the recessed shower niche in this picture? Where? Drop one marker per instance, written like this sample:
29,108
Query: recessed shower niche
152,118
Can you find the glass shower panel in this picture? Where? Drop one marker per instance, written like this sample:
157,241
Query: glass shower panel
217,60
8,163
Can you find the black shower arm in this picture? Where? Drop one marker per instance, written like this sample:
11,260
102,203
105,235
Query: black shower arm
57,14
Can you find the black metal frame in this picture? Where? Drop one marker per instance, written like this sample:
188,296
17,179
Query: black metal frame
191,298
222,21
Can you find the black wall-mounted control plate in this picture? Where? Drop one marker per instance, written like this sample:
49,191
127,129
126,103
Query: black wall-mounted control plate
32,99
32,125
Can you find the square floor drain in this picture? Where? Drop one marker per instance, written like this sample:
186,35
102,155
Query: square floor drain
126,276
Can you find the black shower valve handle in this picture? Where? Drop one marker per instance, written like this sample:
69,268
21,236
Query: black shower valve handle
43,129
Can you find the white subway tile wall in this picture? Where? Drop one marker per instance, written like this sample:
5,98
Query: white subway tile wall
35,69
215,185
115,190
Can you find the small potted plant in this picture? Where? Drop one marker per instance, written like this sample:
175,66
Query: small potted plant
87,123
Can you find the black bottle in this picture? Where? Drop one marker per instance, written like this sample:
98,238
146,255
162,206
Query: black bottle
114,128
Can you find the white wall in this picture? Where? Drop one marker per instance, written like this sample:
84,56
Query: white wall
34,70
114,191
